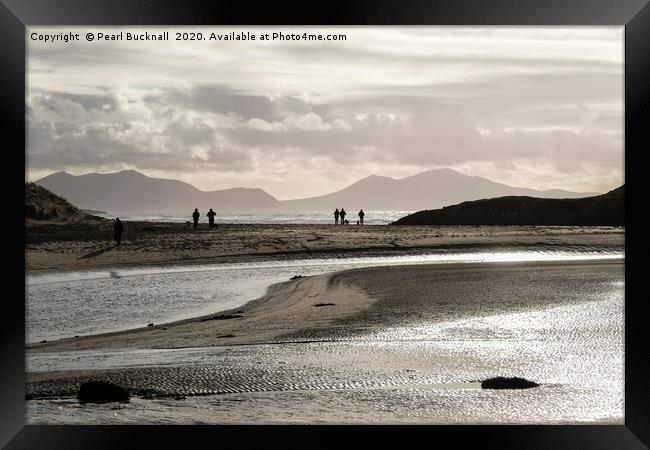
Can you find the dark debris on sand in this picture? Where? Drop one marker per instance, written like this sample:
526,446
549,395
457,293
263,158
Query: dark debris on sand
507,383
102,392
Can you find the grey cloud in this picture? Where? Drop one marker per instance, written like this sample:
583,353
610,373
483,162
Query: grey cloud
344,54
87,101
498,110
213,98
423,132
184,134
96,149
504,90
72,142
293,104
221,99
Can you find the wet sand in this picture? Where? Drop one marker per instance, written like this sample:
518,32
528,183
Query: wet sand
350,302
355,305
53,246
373,345
305,302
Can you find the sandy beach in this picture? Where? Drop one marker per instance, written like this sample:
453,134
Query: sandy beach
285,309
90,245
410,336
348,303
357,307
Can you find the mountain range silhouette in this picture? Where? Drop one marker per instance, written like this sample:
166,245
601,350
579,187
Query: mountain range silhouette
130,191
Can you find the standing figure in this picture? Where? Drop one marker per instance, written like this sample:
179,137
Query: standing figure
361,215
211,215
195,217
342,214
118,228
336,216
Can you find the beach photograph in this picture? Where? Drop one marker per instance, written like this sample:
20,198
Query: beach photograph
325,225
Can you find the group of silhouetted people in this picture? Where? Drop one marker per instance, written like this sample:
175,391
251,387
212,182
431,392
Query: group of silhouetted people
118,227
211,214
341,214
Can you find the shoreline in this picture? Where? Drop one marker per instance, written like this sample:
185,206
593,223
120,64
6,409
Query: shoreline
419,334
343,254
283,303
50,249
319,307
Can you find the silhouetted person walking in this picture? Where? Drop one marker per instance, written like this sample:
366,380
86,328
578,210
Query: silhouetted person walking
342,214
336,216
211,215
118,228
195,217
361,216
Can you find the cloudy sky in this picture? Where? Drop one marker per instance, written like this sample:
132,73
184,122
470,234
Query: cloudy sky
538,107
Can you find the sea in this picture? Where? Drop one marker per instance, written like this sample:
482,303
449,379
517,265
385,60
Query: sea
309,217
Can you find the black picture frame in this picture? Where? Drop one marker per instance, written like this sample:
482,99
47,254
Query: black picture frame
633,14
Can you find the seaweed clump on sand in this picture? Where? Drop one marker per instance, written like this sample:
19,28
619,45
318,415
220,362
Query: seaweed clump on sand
507,383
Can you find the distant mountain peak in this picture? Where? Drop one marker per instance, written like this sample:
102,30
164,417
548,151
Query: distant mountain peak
58,174
440,170
436,172
423,174
377,177
130,172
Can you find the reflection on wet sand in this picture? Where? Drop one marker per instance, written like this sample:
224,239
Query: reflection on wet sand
414,354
